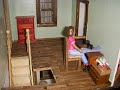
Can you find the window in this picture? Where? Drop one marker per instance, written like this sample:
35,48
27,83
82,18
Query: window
46,12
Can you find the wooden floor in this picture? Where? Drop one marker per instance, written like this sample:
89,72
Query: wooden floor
49,53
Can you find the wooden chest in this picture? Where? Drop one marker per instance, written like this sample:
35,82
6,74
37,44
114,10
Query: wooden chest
23,23
97,77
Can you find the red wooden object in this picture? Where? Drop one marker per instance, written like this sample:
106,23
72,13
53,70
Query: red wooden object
23,23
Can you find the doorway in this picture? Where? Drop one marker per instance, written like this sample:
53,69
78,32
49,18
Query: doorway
81,17
116,74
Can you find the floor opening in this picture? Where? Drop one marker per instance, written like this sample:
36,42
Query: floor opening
47,77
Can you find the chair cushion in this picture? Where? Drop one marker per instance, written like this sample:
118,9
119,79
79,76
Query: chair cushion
74,56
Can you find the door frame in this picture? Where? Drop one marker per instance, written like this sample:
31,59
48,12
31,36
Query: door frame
116,67
77,16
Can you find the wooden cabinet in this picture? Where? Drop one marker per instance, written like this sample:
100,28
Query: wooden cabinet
23,23
99,76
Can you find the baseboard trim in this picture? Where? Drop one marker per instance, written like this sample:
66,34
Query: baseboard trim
54,38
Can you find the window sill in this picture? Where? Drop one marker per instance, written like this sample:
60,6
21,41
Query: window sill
46,25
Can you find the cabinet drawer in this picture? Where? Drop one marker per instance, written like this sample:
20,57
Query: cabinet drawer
21,33
25,26
25,19
21,30
21,37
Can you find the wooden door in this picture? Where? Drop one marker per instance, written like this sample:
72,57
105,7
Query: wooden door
81,17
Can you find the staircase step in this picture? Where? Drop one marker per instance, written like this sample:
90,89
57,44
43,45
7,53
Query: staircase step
22,75
22,84
21,66
21,81
20,61
20,70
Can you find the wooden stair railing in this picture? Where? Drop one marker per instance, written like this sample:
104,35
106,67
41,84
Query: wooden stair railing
20,68
29,53
9,57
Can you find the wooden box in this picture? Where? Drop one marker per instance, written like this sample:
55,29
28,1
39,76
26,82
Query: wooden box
98,76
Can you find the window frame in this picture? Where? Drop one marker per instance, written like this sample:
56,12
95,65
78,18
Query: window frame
39,24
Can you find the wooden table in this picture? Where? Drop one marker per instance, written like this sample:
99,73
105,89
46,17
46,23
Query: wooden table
92,56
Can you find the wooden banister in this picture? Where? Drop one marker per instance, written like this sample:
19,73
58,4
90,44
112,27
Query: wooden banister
9,57
29,52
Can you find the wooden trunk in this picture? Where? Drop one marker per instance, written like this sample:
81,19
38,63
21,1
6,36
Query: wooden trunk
97,77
